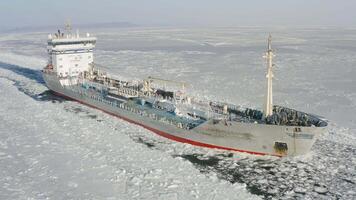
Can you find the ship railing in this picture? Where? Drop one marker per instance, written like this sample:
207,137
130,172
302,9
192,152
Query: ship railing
158,117
150,115
286,116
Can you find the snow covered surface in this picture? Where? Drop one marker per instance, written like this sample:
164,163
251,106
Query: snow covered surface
58,149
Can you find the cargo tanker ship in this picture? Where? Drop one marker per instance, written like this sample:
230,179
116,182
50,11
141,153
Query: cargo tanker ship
174,114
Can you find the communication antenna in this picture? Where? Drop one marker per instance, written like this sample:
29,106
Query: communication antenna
68,27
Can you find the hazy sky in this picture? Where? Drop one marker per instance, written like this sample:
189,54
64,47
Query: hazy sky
18,13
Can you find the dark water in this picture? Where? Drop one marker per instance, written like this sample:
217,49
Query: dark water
24,71
286,178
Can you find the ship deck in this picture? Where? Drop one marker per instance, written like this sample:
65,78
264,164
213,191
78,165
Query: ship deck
281,115
161,114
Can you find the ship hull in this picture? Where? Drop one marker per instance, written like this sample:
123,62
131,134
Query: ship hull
260,139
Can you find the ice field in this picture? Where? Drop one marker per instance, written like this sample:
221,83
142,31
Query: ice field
51,148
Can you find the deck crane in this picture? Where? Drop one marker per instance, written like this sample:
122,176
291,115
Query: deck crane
150,79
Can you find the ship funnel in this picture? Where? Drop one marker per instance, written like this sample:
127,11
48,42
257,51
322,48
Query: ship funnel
268,109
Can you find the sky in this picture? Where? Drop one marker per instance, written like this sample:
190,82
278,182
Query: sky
217,13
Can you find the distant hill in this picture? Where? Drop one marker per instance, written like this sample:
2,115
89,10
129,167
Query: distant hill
106,25
74,26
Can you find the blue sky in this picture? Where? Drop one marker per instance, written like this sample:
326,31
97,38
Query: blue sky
19,13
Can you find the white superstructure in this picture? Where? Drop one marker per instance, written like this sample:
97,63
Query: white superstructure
70,54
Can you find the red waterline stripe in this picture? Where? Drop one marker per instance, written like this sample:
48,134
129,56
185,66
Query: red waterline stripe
167,135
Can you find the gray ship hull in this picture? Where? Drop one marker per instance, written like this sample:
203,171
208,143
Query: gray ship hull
260,139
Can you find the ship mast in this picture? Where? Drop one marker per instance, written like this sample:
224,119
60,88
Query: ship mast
68,28
269,97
